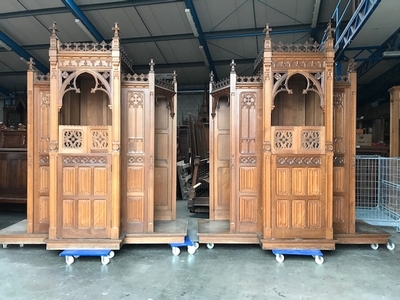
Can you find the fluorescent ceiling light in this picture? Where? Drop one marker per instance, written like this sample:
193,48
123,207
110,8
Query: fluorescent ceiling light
5,46
85,30
391,54
191,22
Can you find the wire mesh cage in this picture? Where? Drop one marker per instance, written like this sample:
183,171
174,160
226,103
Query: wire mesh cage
378,190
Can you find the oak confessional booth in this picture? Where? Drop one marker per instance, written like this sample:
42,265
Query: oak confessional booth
288,179
101,152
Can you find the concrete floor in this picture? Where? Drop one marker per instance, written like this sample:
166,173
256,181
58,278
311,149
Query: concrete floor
225,272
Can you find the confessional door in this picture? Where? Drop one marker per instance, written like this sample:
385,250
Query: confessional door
298,184
84,195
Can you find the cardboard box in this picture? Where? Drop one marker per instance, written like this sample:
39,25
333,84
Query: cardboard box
364,139
359,130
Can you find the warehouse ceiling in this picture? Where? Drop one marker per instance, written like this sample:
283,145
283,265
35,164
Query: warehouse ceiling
195,37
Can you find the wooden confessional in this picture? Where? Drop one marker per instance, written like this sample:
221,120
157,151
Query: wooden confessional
101,152
287,180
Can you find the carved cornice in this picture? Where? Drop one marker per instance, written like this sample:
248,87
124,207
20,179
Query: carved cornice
249,79
135,78
306,47
85,47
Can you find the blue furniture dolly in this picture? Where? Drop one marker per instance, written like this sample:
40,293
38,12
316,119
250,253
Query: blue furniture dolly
191,247
71,254
317,254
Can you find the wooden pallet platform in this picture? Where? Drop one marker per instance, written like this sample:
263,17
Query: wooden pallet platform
165,232
365,234
217,232
16,234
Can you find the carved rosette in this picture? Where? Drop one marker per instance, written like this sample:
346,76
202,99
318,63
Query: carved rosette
44,160
329,147
53,146
116,146
249,101
135,99
267,147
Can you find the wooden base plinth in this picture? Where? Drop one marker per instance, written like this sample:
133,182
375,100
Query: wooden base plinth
217,232
63,244
165,232
320,244
365,234
16,235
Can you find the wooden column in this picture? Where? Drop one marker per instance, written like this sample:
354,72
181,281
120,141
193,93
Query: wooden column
234,141
30,150
330,55
266,136
53,151
116,134
394,150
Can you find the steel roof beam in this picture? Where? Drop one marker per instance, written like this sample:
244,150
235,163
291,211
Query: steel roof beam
392,43
202,41
357,21
22,52
87,7
315,18
77,12
343,38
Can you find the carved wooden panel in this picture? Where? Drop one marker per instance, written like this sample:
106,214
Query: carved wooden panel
135,155
164,201
298,139
338,209
136,115
135,179
247,209
135,209
220,162
297,197
245,169
344,124
248,179
84,139
84,197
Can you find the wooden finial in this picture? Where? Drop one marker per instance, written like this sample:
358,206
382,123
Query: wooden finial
329,30
54,29
115,29
151,64
31,63
267,30
174,75
212,76
233,65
